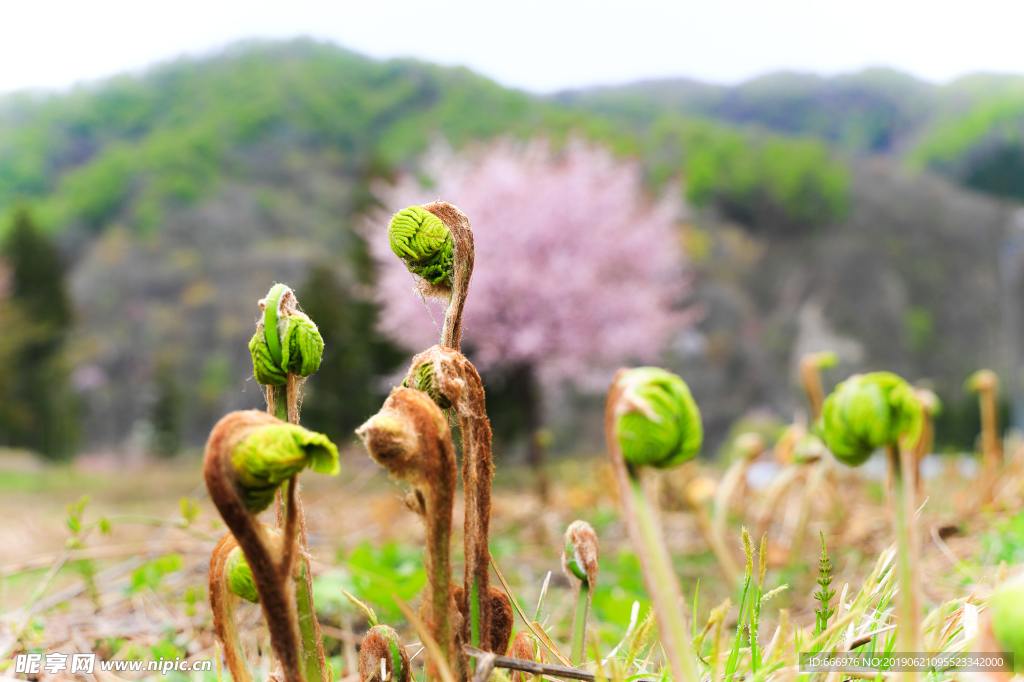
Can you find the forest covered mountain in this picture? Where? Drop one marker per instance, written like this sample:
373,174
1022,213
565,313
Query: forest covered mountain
819,218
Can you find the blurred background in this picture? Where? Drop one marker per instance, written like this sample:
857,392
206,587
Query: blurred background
785,180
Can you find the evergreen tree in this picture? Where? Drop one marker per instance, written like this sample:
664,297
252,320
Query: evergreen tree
40,414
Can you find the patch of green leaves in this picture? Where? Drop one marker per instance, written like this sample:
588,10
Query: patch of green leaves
150,575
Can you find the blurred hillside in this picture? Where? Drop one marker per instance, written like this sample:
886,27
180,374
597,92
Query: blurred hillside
824,213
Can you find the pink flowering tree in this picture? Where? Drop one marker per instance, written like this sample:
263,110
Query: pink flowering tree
577,271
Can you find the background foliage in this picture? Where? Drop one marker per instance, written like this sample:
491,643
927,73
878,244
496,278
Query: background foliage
176,196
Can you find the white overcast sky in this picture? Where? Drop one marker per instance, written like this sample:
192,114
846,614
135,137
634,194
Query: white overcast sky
537,45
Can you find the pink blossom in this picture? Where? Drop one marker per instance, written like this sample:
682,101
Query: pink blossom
577,271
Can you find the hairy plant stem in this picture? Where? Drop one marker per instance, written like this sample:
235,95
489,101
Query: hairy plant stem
458,381
907,547
270,564
283,403
455,378
277,403
580,611
462,234
410,438
309,629
223,604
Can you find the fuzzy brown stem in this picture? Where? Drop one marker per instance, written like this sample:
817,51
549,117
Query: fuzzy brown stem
655,562
410,438
263,557
457,380
283,402
290,526
223,604
458,224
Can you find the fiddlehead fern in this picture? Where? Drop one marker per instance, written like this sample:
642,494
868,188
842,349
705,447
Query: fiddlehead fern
450,379
287,348
652,420
881,410
248,455
436,243
579,564
287,345
409,437
382,657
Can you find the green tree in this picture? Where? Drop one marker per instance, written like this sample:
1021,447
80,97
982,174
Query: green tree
347,388
37,314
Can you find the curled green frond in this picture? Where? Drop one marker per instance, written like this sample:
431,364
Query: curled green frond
425,382
240,580
272,454
284,343
869,411
425,243
659,424
1005,605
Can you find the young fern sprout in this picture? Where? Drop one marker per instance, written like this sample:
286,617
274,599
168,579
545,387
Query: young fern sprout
436,243
225,585
410,438
579,564
500,614
239,575
451,380
652,420
382,657
248,456
283,358
985,383
1003,629
287,348
525,647
881,410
